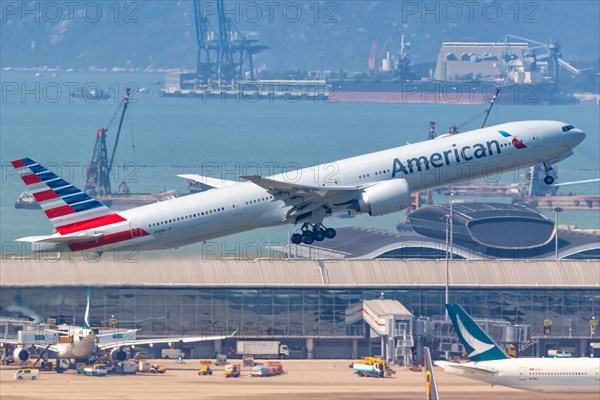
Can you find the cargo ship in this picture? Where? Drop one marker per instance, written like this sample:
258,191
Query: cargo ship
444,92
465,73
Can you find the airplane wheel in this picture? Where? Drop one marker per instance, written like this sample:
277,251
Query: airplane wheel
296,238
319,235
548,180
330,233
307,238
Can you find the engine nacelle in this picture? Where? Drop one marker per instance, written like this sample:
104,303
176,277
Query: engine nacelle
20,354
385,197
118,355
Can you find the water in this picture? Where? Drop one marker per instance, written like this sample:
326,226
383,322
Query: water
164,137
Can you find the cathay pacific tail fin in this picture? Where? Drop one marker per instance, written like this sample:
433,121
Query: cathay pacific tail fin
477,343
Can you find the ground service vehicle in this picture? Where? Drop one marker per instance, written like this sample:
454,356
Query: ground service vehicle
260,370
95,370
172,353
559,354
232,371
370,366
205,370
27,373
146,367
262,349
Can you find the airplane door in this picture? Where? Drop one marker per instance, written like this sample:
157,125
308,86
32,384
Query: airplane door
535,140
236,206
135,231
522,374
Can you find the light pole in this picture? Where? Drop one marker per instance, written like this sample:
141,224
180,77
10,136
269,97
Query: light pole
447,266
556,210
451,222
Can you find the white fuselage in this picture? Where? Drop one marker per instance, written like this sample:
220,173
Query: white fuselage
564,375
425,165
82,344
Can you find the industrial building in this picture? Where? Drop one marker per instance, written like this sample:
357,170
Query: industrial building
316,307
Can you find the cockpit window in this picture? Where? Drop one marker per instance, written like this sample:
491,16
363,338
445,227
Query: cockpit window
567,128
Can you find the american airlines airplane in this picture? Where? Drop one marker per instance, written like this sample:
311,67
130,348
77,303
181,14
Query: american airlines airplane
488,363
377,183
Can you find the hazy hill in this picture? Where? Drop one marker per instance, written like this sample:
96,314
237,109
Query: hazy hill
161,34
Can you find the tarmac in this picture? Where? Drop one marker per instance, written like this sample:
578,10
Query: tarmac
306,380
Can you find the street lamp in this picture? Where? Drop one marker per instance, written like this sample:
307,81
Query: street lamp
556,210
447,217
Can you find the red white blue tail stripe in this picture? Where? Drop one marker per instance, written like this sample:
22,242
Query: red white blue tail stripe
68,208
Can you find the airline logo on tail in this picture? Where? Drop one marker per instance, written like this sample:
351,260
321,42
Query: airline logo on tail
77,217
516,142
479,345
68,208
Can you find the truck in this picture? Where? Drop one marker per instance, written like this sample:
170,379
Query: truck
262,349
127,367
373,367
172,353
145,366
95,370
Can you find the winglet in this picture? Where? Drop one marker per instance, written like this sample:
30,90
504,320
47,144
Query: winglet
432,390
479,345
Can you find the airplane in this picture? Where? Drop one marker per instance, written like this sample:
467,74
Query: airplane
376,184
75,342
488,363
430,382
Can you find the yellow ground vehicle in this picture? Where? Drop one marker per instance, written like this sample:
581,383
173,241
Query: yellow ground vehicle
232,371
205,370
372,367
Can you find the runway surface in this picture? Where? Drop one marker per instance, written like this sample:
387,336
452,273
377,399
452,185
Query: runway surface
311,380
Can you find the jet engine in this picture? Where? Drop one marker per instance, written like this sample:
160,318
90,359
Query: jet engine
384,197
118,355
20,354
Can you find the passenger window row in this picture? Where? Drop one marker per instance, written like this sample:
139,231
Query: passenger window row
385,171
191,216
259,200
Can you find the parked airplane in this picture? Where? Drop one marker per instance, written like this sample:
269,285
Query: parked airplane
488,363
377,183
75,342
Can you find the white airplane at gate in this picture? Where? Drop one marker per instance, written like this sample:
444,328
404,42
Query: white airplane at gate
376,183
488,363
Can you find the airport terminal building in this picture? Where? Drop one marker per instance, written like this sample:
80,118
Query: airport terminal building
316,307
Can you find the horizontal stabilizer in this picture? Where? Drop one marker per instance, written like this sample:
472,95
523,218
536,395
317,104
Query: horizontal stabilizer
206,181
61,239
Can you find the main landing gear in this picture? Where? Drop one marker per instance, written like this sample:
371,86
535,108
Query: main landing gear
548,180
313,233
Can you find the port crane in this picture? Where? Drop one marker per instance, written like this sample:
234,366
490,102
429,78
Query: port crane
224,53
98,172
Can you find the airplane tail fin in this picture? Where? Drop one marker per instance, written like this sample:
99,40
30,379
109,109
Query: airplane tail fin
68,208
478,344
432,390
86,316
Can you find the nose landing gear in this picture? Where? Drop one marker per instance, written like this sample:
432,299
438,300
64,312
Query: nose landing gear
548,179
312,233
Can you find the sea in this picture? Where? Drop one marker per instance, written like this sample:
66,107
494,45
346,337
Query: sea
164,137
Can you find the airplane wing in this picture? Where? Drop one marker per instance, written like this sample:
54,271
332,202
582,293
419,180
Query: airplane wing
468,367
57,238
306,198
140,342
210,182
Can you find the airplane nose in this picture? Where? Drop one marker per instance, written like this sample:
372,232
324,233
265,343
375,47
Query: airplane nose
576,137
